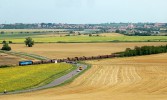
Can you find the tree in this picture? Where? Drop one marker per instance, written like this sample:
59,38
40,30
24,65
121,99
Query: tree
6,47
79,33
97,35
10,42
90,35
144,50
117,31
3,42
71,32
29,42
2,32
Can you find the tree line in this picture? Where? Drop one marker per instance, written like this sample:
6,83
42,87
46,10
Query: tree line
144,50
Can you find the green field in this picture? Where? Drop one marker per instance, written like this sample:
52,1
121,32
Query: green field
30,30
59,36
85,39
18,78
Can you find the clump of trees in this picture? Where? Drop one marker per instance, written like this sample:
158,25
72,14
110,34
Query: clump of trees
6,47
120,31
90,35
2,32
10,42
144,50
29,42
3,42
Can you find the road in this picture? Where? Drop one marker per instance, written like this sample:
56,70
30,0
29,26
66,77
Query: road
54,83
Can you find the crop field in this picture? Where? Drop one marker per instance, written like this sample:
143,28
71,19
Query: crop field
13,58
111,34
6,59
59,36
30,30
17,78
63,50
21,34
134,78
85,39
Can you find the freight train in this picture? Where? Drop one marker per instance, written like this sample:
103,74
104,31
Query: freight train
68,60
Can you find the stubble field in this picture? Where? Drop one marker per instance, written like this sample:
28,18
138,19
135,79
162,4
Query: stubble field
134,78
63,50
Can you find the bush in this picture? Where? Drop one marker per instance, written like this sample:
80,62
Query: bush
90,35
6,47
3,42
117,31
68,35
10,42
2,32
4,66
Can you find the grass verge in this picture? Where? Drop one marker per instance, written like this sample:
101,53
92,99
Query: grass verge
73,78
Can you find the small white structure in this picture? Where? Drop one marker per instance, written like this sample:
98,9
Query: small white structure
56,62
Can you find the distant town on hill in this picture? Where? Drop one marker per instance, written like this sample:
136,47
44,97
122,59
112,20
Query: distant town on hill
141,29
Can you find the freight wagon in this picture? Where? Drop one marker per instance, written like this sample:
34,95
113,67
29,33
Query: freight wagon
68,60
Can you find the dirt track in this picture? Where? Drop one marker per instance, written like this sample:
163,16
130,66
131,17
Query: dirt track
136,78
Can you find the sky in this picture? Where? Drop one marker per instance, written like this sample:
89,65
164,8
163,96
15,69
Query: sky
82,11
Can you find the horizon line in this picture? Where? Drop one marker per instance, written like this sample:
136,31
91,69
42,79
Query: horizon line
84,23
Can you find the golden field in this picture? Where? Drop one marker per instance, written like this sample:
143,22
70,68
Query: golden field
134,78
111,34
64,50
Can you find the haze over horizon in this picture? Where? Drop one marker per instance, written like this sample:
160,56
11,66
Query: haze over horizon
82,11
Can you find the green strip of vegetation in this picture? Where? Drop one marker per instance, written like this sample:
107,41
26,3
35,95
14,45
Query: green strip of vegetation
5,66
25,55
53,77
87,39
144,50
72,79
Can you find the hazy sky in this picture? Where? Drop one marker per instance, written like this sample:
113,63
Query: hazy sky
82,11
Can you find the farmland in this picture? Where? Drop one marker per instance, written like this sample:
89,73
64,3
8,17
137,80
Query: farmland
57,50
17,78
111,34
84,39
61,37
134,78
6,59
31,30
113,79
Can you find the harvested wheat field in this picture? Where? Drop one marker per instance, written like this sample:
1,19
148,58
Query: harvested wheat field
61,50
6,59
134,78
111,34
